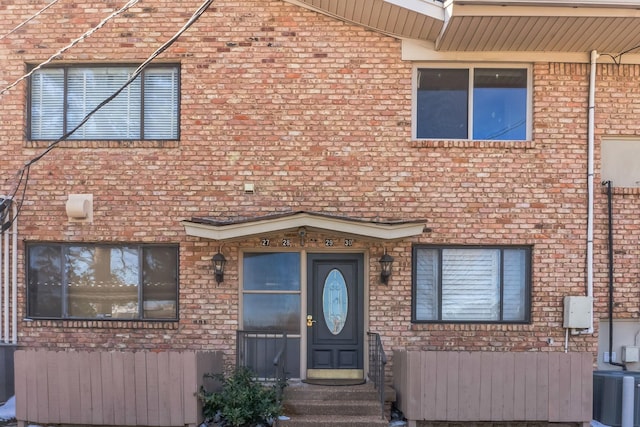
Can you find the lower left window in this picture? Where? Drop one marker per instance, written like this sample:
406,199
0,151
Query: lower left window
120,282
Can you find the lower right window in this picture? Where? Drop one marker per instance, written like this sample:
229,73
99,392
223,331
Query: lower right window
471,284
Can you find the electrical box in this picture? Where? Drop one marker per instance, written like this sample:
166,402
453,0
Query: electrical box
630,354
577,312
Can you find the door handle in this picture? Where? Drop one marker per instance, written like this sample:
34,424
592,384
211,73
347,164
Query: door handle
310,320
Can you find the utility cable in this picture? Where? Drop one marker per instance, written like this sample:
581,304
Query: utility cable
617,59
30,19
72,44
23,174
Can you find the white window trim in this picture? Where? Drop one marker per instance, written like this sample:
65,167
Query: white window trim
468,66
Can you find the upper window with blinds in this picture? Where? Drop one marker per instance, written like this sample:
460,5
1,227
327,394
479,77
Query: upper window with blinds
471,284
147,109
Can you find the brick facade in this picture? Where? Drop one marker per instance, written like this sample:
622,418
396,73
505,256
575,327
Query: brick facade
317,114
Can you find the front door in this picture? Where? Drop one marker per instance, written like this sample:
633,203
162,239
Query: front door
335,319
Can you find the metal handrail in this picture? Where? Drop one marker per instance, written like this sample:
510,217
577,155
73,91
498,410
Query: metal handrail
377,363
279,362
265,354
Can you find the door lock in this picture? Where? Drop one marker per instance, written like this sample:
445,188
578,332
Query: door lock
310,320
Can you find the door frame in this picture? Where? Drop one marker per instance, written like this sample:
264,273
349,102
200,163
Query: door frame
303,295
305,309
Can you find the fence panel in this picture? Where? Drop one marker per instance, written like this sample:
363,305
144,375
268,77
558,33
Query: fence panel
494,386
111,387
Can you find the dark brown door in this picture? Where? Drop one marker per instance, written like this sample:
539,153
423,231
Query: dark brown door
335,320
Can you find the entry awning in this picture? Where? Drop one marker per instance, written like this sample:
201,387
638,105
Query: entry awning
242,228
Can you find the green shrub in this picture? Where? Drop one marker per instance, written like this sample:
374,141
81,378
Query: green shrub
242,401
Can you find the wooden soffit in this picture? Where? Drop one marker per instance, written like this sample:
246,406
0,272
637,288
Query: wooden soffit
243,228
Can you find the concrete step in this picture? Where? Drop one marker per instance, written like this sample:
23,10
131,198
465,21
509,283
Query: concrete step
309,405
333,421
332,407
302,391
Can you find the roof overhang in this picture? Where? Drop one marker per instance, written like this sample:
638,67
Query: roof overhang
240,229
498,26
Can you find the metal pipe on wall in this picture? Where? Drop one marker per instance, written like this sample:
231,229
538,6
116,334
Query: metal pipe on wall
590,174
9,278
628,396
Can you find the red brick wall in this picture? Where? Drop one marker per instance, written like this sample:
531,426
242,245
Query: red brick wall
317,114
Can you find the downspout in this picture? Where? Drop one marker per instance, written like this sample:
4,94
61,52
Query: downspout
610,212
590,189
9,272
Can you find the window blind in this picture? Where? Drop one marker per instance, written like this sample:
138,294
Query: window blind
470,284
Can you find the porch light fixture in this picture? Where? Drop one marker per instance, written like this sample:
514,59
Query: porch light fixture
218,261
386,261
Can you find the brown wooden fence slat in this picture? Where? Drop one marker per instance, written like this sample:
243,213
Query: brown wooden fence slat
106,367
42,383
497,387
519,385
164,386
452,368
542,388
95,369
142,412
575,370
564,378
191,380
53,387
20,374
176,391
129,383
86,399
486,393
469,386
69,370
587,387
441,386
153,400
554,387
429,366
118,393
509,386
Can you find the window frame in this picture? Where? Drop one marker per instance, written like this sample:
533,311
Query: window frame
470,67
528,270
140,317
65,128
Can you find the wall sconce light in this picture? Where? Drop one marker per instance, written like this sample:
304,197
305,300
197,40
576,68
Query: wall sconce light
386,261
218,261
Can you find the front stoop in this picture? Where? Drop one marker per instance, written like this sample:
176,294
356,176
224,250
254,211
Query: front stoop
309,405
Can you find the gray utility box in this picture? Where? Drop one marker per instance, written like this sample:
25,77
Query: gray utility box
607,397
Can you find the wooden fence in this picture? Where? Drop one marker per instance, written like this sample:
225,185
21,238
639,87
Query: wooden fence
111,387
493,386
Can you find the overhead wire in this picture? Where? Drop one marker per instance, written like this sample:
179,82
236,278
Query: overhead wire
22,176
72,44
617,59
22,24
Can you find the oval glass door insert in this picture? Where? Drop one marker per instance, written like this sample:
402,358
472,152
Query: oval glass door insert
335,301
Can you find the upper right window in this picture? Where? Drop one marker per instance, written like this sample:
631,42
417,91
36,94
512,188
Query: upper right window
472,103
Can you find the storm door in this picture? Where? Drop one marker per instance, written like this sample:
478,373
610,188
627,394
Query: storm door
335,319
271,303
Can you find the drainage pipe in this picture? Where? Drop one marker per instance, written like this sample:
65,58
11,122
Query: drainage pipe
9,272
590,174
610,211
